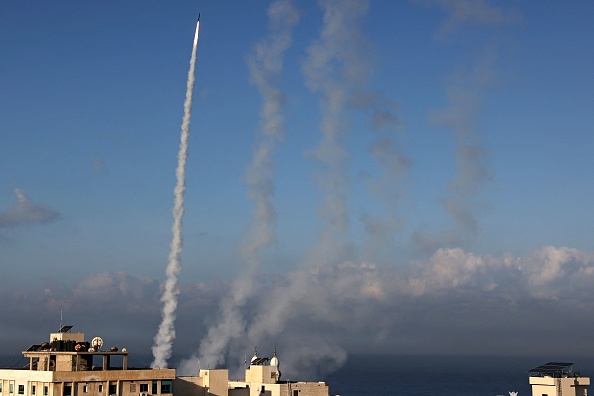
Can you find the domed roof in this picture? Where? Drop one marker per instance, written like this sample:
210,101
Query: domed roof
274,361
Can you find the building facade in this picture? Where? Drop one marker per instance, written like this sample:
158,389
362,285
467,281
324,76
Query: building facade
67,365
558,379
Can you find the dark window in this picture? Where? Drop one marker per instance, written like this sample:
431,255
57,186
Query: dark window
113,389
100,388
67,390
155,390
144,387
32,389
11,388
295,393
21,389
166,386
85,389
45,390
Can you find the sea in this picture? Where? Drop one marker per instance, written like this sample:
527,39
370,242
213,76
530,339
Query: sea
394,375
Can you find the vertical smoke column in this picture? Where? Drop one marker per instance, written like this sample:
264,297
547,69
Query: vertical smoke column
166,333
333,69
265,67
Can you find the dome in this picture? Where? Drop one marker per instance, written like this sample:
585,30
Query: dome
274,361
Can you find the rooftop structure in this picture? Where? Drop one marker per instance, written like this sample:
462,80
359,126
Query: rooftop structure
67,365
557,379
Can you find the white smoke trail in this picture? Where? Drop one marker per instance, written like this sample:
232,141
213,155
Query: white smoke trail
334,68
166,334
265,67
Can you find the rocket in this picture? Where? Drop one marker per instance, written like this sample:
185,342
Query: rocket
197,29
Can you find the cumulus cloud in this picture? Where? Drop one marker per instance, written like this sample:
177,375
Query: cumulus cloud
456,301
25,211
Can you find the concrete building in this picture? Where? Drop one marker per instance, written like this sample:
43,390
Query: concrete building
67,365
262,377
558,379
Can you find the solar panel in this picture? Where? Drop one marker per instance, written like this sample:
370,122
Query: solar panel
554,369
259,361
65,329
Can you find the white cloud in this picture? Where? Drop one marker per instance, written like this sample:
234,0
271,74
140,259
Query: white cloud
475,301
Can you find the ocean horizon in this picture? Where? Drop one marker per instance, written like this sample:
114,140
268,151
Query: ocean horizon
391,375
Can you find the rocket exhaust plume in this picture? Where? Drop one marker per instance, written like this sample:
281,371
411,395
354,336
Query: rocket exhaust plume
265,67
166,334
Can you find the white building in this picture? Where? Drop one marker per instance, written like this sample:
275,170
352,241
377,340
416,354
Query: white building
67,365
558,379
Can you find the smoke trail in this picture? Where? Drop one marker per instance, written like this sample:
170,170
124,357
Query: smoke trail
166,334
334,67
265,67
464,97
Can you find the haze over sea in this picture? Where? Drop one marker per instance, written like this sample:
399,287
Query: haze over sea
372,375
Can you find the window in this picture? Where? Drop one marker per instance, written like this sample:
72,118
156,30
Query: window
45,390
166,386
21,389
144,388
155,390
132,388
85,389
295,393
113,389
100,388
33,389
10,388
67,390
0,386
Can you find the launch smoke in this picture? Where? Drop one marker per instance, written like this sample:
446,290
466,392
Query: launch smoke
265,66
332,69
166,332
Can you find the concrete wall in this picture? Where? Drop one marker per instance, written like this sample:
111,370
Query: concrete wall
569,386
216,381
126,382
189,386
280,389
310,388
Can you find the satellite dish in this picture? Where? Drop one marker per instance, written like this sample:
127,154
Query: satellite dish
97,343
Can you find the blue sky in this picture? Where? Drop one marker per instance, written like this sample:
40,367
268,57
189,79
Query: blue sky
492,102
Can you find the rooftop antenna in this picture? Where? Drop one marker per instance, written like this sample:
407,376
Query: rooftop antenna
60,319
